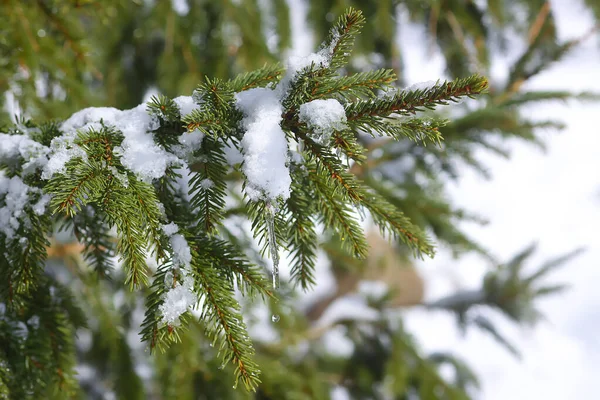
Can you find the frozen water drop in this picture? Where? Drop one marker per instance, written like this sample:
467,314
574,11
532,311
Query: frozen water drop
275,318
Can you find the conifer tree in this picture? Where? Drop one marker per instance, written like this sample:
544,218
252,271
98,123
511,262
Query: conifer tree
173,224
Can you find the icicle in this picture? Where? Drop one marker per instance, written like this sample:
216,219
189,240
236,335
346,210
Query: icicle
270,220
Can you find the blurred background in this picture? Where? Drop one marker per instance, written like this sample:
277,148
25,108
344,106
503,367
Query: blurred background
510,197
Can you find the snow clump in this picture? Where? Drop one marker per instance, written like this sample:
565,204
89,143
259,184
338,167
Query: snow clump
323,117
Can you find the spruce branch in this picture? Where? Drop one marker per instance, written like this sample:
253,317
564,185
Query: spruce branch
208,185
351,87
391,220
302,235
225,325
407,102
335,212
416,129
247,277
340,41
267,75
153,332
131,230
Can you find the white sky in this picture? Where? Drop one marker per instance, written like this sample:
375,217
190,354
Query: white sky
553,199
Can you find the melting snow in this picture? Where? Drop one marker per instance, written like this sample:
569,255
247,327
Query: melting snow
265,145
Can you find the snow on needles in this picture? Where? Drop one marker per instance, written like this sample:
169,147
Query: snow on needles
13,147
295,64
138,152
15,196
323,117
181,295
264,144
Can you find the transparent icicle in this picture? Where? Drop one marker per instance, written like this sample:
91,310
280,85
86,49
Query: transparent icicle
270,220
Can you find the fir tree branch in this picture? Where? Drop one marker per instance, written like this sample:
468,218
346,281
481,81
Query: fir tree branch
417,129
409,102
118,204
342,36
391,219
337,214
208,185
225,324
248,278
91,230
267,75
302,235
363,84
147,203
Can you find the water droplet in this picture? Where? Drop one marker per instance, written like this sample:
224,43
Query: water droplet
275,318
212,345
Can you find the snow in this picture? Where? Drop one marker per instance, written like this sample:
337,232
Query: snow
186,104
39,208
421,85
182,185
181,250
264,145
206,184
170,229
338,392
120,176
295,64
62,150
181,297
189,142
177,301
138,152
13,147
14,195
323,117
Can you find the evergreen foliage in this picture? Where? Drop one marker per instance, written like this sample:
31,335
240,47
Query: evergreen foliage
181,231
